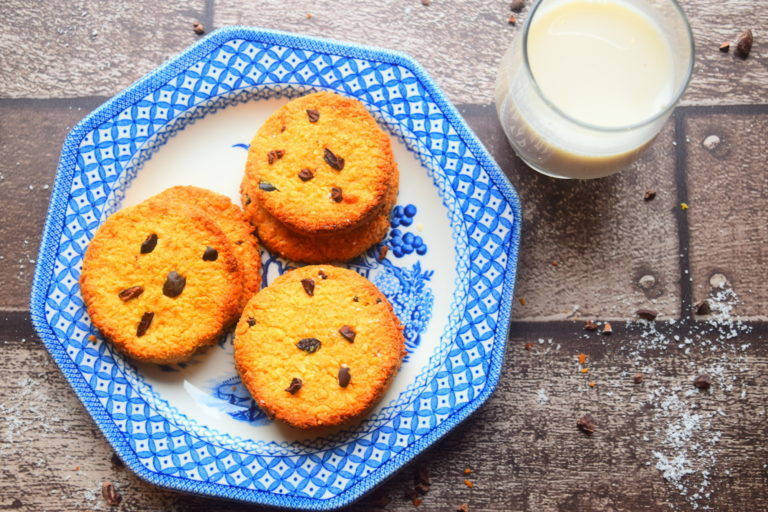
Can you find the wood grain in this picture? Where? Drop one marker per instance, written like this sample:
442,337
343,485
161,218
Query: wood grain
522,446
728,191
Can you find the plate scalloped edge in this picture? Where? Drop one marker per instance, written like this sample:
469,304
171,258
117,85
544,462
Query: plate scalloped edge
54,226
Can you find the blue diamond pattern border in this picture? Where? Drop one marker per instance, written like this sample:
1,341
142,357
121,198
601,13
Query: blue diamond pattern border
101,156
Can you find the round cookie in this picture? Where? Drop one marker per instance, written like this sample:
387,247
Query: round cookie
230,219
320,164
319,249
318,347
160,283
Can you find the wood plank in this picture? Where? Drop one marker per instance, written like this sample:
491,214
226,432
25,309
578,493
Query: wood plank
71,49
31,135
728,191
523,446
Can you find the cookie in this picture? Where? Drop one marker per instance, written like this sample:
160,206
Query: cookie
324,248
231,220
318,347
160,282
320,164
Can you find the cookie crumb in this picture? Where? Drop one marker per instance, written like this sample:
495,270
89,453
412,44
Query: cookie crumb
589,325
607,329
198,28
110,494
512,19
517,5
703,382
469,483
462,508
703,307
582,358
724,47
647,314
467,470
649,195
638,378
586,424
744,44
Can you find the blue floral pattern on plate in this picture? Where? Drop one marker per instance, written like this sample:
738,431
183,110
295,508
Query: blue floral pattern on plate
103,155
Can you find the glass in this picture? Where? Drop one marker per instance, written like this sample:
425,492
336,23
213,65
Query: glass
558,144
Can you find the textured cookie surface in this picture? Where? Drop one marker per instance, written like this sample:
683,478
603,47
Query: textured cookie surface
322,248
320,164
318,346
152,286
231,220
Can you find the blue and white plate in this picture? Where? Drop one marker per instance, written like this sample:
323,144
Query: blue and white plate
449,273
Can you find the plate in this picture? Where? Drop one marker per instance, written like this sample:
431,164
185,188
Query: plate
449,272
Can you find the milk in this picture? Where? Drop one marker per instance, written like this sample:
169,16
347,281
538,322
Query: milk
601,78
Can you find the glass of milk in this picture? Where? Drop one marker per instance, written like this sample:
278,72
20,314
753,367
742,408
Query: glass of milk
588,84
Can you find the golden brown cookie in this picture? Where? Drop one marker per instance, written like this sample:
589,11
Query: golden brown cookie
320,164
230,219
160,282
318,347
324,248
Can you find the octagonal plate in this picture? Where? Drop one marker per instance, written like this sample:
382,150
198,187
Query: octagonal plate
449,273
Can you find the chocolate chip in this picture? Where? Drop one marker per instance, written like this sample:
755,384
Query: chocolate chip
744,44
589,325
322,274
703,308
313,115
210,254
239,242
295,386
638,378
355,299
383,250
703,382
310,345
251,321
275,154
647,314
130,293
378,301
267,186
333,160
149,244
348,333
336,194
649,195
110,494
344,376
586,424
146,321
174,284
309,286
247,199
306,175
517,5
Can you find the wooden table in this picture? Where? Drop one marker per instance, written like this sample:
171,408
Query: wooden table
591,250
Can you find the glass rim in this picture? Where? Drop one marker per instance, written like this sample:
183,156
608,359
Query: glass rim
673,101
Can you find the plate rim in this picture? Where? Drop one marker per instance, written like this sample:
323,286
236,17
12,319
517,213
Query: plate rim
54,227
